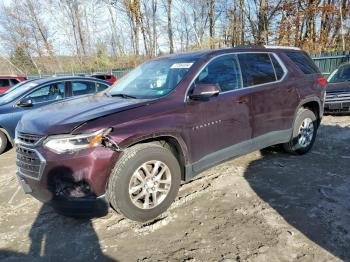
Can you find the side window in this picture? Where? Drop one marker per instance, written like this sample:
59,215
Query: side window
47,93
256,69
14,82
222,71
278,68
83,88
100,87
4,82
304,62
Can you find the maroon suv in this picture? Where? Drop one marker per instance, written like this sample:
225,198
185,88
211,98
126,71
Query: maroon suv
166,121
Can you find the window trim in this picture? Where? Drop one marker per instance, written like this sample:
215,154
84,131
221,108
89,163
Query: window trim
284,68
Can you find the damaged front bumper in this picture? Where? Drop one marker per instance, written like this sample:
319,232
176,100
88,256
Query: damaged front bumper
73,184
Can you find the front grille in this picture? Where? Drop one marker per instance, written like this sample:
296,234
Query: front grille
28,160
27,138
337,96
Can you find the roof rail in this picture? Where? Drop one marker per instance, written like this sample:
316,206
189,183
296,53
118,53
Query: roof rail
281,47
249,46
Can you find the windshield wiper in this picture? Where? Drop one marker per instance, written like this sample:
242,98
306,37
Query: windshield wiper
123,96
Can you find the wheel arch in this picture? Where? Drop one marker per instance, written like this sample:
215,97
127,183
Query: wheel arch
174,143
313,104
9,138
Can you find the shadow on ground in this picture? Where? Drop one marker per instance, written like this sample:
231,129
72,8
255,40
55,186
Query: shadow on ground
310,192
57,238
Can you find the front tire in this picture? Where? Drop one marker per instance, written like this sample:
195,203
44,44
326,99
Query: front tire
144,182
3,142
304,132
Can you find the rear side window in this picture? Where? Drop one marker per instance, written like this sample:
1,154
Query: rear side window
304,62
100,77
222,71
256,69
278,68
83,88
14,82
4,82
101,87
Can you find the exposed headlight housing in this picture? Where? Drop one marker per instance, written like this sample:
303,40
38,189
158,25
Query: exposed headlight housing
71,143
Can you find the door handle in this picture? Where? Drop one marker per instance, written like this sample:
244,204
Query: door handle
243,100
289,89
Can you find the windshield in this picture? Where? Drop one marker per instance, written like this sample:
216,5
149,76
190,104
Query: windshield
16,91
152,79
342,74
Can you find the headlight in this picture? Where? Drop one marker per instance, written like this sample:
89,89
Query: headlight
71,143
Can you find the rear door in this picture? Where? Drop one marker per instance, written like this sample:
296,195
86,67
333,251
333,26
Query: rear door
274,97
222,121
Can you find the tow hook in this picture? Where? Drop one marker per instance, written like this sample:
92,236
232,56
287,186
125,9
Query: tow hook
109,143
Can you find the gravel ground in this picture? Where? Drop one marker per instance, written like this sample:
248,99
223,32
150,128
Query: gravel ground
265,206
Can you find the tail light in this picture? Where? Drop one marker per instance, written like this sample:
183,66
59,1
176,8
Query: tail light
322,81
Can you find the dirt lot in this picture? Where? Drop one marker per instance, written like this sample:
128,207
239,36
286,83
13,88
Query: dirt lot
266,206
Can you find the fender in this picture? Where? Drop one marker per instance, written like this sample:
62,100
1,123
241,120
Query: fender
132,140
311,99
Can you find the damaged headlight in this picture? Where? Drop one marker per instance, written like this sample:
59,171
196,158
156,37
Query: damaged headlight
71,143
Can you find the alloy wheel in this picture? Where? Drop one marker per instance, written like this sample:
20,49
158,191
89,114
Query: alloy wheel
150,184
306,132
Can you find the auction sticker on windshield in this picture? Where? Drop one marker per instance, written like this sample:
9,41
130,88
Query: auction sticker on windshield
181,65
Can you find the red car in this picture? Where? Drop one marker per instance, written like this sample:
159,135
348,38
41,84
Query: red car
106,77
9,81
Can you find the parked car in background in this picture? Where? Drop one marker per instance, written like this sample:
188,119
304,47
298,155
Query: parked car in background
166,121
37,93
17,86
7,82
106,77
338,90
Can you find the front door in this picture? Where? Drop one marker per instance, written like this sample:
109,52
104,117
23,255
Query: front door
39,97
223,121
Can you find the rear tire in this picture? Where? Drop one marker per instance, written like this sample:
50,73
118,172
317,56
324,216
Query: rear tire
144,182
304,132
3,142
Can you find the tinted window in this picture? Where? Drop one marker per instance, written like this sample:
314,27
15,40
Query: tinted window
304,62
83,88
342,74
100,77
4,82
14,82
223,71
101,87
48,93
278,68
256,69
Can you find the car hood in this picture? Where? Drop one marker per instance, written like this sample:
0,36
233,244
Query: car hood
338,86
63,117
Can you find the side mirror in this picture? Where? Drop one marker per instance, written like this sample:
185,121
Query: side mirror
204,91
25,102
